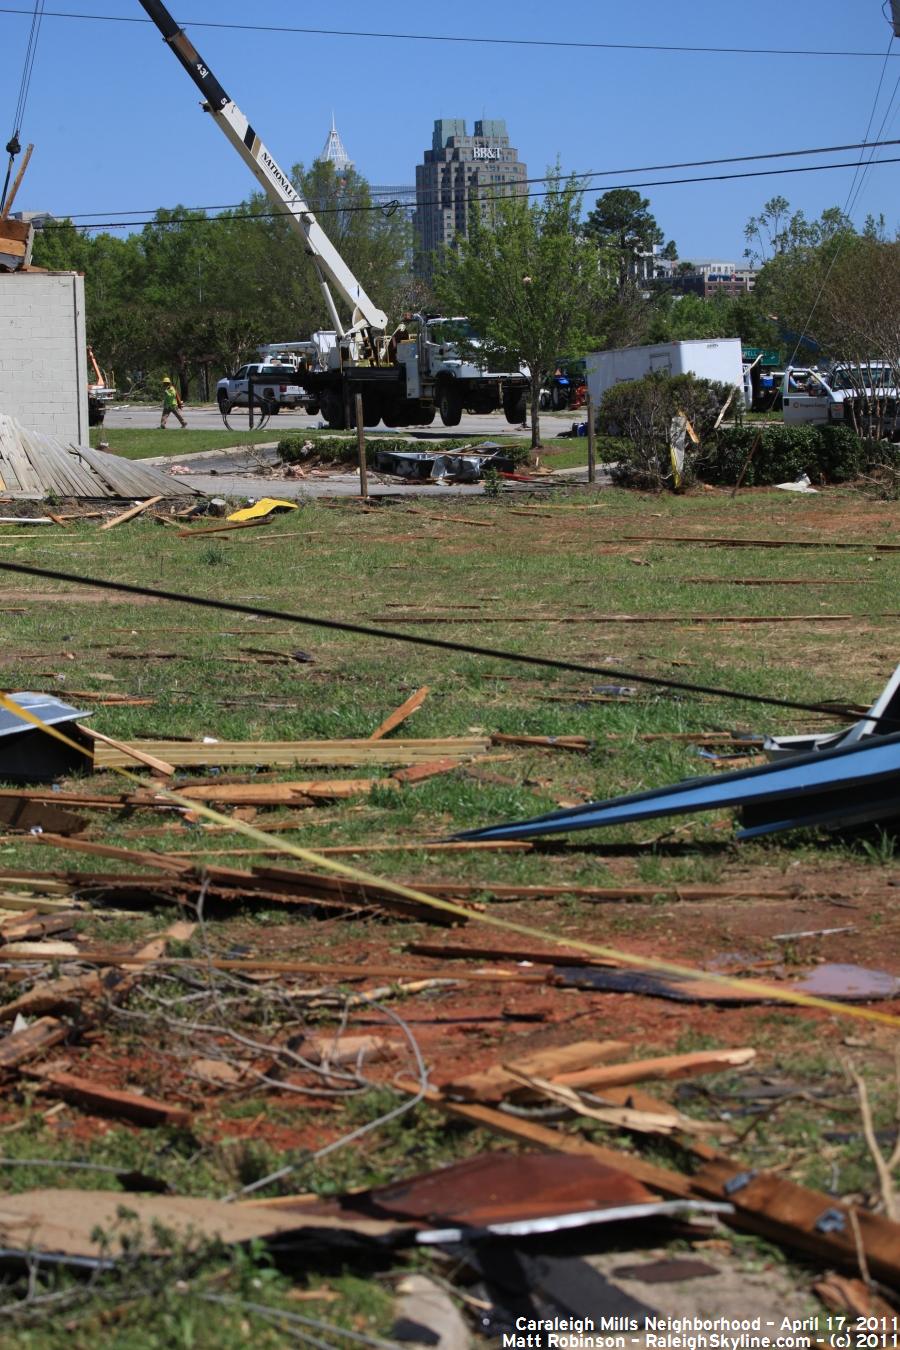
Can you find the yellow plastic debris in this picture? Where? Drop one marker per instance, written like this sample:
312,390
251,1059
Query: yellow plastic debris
264,507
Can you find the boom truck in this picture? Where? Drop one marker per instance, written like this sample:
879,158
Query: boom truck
404,376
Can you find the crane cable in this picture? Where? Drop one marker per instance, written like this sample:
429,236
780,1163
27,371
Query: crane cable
14,144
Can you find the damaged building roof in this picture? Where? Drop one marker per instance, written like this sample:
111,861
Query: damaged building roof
33,464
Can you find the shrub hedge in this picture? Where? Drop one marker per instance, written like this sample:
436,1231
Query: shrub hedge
828,454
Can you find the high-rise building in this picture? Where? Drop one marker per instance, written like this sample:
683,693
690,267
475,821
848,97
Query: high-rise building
458,171
334,151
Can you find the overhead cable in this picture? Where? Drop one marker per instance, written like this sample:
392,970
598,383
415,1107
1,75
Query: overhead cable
864,144
666,48
475,199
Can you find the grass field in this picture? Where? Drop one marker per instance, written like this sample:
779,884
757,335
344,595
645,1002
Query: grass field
558,576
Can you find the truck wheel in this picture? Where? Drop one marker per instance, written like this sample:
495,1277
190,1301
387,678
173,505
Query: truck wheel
312,409
450,406
333,411
515,406
225,404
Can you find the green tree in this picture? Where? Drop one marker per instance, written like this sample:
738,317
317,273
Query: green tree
530,283
621,224
778,230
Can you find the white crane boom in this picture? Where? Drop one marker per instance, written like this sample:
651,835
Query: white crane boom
366,318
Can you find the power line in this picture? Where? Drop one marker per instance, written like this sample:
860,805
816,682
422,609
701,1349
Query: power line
475,200
14,145
667,48
853,193
592,173
417,640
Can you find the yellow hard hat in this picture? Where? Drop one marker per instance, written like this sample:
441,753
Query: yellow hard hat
166,380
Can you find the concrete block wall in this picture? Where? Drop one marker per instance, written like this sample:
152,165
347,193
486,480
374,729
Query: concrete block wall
43,352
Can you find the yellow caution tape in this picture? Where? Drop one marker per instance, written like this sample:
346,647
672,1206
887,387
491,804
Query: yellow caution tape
328,864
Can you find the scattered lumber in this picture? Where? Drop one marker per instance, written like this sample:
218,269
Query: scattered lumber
731,542
687,617
134,752
766,1204
321,753
130,514
400,714
158,861
67,995
458,520
225,528
102,1100
285,794
544,742
18,812
641,1070
417,773
20,1046
503,891
495,1083
32,926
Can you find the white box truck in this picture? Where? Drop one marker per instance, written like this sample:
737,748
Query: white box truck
713,359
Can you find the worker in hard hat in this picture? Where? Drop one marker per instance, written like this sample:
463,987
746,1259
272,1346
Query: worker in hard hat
172,403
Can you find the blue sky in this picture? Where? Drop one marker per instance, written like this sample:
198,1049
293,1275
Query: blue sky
117,127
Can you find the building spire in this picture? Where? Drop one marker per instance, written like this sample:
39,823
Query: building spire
334,151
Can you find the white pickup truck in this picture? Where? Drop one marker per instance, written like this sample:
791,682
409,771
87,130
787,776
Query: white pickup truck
274,388
861,396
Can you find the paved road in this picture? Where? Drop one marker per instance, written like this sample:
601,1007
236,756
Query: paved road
208,418
229,473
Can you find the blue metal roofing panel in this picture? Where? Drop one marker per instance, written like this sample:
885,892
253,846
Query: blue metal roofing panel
873,763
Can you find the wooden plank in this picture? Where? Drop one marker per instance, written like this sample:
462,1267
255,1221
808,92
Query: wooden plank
400,714
225,528
731,542
66,995
33,1041
664,1067
319,753
458,520
158,861
275,794
28,926
130,514
96,1097
134,752
790,1214
417,773
544,742
491,1085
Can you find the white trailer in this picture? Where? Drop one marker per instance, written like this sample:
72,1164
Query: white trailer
714,359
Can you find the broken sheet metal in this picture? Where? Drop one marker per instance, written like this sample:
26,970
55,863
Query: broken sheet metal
882,719
848,785
422,465
513,1195
840,983
29,755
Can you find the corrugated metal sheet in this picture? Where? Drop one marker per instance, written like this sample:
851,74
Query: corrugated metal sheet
849,785
33,464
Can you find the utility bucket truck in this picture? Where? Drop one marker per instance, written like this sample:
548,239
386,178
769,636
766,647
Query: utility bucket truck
404,375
